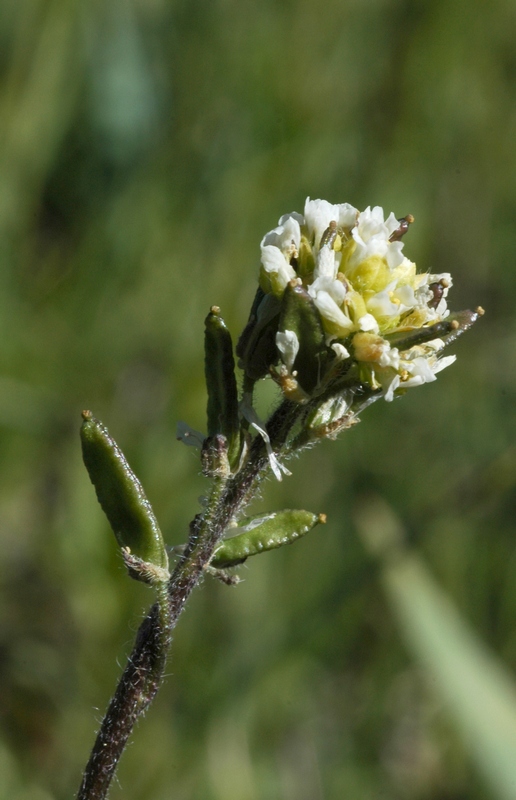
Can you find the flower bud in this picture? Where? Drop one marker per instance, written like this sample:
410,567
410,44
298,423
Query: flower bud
221,384
256,347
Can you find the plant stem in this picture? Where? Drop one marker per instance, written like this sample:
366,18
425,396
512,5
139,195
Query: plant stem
142,676
135,691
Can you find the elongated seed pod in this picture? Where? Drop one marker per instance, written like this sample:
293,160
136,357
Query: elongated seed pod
121,494
448,330
266,532
221,383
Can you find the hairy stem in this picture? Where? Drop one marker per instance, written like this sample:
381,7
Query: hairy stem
135,691
142,676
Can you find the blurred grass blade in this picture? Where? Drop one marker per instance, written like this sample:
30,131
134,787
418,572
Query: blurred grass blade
479,693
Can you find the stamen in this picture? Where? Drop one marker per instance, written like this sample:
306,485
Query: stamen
400,232
329,235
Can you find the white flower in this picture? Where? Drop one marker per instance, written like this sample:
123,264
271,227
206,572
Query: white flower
275,264
318,215
287,236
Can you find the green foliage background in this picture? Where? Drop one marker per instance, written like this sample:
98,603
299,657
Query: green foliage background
146,147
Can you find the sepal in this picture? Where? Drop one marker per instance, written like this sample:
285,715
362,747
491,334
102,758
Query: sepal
144,571
256,347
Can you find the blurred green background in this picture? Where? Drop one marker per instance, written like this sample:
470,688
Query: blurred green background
145,148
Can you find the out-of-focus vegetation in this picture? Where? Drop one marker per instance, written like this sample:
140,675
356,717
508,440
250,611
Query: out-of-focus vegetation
146,146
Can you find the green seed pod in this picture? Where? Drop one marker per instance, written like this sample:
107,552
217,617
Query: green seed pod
266,532
461,321
121,495
299,314
221,383
448,330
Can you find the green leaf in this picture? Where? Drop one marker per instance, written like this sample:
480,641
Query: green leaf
121,495
265,532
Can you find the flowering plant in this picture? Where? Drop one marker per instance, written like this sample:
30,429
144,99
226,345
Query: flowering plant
341,318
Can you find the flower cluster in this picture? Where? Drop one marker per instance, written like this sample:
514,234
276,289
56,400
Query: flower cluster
337,291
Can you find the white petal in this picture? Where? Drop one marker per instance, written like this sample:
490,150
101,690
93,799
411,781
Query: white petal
391,223
370,223
337,291
347,215
340,351
295,215
318,215
368,323
274,261
330,310
444,362
287,237
420,370
390,357
288,345
335,288
394,256
389,393
405,294
381,305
